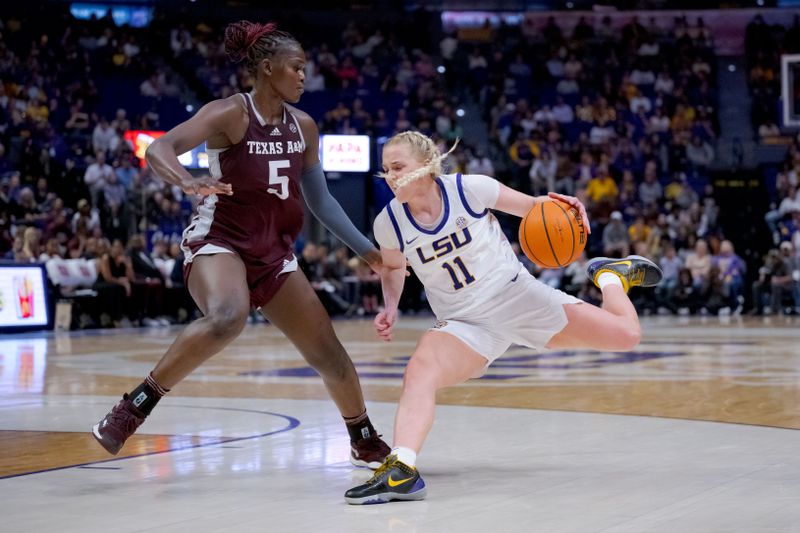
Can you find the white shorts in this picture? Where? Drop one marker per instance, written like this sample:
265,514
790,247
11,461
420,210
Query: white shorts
526,312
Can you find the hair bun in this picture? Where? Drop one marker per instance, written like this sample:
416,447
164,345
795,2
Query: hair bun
242,35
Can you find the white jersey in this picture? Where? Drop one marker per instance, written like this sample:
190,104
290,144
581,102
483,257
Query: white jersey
464,259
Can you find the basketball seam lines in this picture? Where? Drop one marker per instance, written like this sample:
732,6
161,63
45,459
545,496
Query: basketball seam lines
525,236
547,233
569,223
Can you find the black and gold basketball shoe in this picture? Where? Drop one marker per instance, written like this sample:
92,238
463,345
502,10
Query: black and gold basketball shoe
633,271
393,480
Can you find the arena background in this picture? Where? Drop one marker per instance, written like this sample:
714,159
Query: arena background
674,122
588,100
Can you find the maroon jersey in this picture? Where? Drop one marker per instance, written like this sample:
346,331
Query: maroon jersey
262,218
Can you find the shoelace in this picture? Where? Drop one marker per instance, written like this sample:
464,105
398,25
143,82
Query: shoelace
385,467
371,443
127,419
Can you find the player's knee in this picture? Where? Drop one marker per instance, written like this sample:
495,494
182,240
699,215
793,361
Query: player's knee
420,374
227,321
630,338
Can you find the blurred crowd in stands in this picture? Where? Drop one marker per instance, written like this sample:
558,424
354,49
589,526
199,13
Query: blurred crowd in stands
626,119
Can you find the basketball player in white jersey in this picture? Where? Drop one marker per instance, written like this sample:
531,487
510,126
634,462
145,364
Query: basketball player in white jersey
483,297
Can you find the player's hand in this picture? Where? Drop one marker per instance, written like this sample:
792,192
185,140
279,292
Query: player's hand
205,186
384,322
375,262
574,202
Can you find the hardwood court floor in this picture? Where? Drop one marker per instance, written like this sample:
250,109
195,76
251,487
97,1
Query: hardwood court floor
250,442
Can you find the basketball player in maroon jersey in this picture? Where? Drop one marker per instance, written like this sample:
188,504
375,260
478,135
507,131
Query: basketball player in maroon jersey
263,158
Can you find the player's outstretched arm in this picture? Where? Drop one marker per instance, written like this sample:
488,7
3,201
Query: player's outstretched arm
516,203
393,277
320,201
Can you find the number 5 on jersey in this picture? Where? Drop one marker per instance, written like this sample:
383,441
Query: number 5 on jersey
278,180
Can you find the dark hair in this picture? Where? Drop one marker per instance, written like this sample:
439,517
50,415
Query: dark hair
252,42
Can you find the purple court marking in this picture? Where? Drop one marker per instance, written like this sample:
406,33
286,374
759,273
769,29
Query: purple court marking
293,423
99,467
519,362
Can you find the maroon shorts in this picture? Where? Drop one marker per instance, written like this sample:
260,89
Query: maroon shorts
263,279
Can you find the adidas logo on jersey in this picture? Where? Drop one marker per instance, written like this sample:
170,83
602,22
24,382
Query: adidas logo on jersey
275,131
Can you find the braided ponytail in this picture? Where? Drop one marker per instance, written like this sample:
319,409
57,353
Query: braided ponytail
426,150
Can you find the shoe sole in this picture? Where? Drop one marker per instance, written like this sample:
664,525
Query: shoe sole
374,465
654,270
99,438
387,497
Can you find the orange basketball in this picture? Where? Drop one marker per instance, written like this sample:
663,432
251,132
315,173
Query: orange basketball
552,234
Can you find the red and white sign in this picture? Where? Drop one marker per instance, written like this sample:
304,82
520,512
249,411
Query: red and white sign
344,153
141,139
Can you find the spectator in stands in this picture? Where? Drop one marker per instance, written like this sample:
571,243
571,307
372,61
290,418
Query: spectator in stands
523,152
602,192
31,246
369,287
776,278
148,284
104,137
714,296
114,283
85,215
78,120
52,250
650,190
150,87
699,263
543,172
699,153
480,163
121,124
97,175
731,269
615,237
25,210
126,172
685,297
114,193
769,132
638,231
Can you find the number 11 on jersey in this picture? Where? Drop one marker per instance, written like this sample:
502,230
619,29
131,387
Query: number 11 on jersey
468,278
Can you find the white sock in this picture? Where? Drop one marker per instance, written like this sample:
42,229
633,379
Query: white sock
607,278
406,455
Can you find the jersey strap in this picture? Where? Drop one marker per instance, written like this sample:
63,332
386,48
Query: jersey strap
396,227
464,199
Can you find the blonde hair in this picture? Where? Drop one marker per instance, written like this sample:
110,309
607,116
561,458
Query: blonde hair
425,149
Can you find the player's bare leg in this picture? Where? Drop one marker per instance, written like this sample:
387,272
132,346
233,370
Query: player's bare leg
615,326
218,284
440,360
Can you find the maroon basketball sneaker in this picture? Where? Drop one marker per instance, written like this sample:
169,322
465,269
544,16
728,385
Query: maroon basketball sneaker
119,424
370,452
